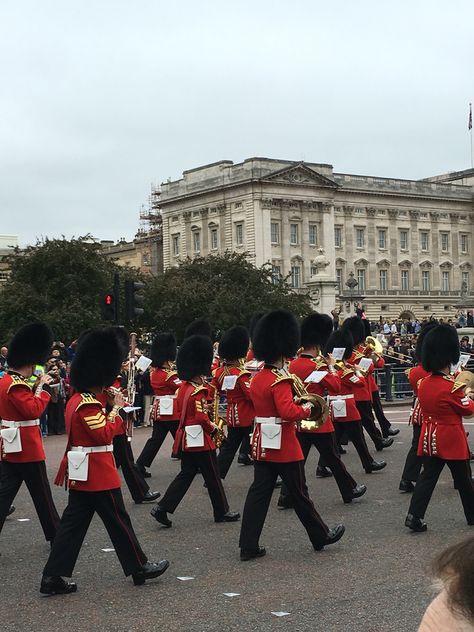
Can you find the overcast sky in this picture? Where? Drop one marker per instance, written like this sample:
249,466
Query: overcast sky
101,98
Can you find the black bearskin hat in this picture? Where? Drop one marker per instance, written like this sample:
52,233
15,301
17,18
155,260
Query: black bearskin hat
234,343
254,322
123,340
355,326
440,348
163,349
315,330
276,336
98,359
199,327
367,330
30,345
194,357
338,339
431,324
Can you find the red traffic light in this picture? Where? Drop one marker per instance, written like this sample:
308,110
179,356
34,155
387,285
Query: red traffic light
109,299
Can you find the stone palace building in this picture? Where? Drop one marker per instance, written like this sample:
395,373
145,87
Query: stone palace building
400,246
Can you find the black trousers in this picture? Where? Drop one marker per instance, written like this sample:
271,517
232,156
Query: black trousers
432,468
235,437
245,443
124,458
75,522
325,443
154,443
56,417
413,462
368,422
259,497
192,463
353,430
379,413
34,475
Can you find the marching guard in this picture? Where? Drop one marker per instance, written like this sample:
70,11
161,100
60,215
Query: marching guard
275,447
23,457
92,476
315,330
444,403
165,383
235,382
194,437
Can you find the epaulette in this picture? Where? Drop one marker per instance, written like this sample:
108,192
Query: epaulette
347,371
457,386
17,380
419,382
244,372
87,399
281,378
358,355
320,362
170,373
198,389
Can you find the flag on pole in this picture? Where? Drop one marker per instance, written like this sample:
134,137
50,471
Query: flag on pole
469,125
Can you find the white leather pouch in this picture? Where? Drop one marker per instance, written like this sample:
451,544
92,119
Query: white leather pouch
11,440
271,436
229,382
339,408
166,406
78,465
194,436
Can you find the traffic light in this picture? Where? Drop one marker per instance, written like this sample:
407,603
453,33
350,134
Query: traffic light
133,300
109,306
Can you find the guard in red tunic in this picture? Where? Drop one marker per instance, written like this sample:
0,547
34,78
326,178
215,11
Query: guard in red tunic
310,364
23,457
443,441
413,462
275,446
194,438
165,383
234,381
363,396
93,480
344,411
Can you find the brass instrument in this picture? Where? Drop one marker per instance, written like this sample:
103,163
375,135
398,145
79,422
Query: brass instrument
467,378
320,408
131,387
374,345
218,434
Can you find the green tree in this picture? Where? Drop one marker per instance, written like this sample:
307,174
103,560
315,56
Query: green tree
225,289
60,281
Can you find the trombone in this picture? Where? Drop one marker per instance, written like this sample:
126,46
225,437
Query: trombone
376,348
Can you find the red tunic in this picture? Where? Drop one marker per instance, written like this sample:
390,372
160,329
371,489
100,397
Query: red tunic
19,403
88,426
378,364
196,415
330,384
361,394
164,382
272,396
443,405
416,374
350,384
240,410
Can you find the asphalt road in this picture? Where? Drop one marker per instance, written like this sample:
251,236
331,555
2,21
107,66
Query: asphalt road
376,579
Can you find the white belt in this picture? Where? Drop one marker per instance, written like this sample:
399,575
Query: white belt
95,448
20,424
166,396
268,420
334,397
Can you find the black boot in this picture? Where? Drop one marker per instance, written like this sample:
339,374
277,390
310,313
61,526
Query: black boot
230,516
149,570
375,466
285,502
56,585
148,497
406,486
415,524
333,536
248,554
322,471
244,459
10,511
161,516
142,469
393,431
384,443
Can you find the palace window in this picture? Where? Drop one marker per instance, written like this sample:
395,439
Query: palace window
294,234
360,237
313,235
404,279
275,232
403,240
444,242
382,239
425,280
383,279
361,279
214,239
295,276
424,240
445,280
464,244
175,245
197,241
276,274
465,279
239,234
339,279
337,236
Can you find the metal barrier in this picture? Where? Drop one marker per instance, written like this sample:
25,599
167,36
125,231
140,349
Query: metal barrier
393,383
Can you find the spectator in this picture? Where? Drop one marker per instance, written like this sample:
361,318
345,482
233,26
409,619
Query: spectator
465,346
461,316
470,319
336,313
3,358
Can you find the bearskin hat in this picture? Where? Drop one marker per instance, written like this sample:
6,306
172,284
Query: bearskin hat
234,344
30,345
98,359
315,330
123,340
431,324
276,335
194,357
367,330
440,348
355,326
254,322
163,349
199,327
338,339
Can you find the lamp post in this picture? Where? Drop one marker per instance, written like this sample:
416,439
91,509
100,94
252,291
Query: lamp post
351,283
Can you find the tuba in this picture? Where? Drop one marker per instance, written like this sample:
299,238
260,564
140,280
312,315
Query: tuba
467,378
373,345
320,410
